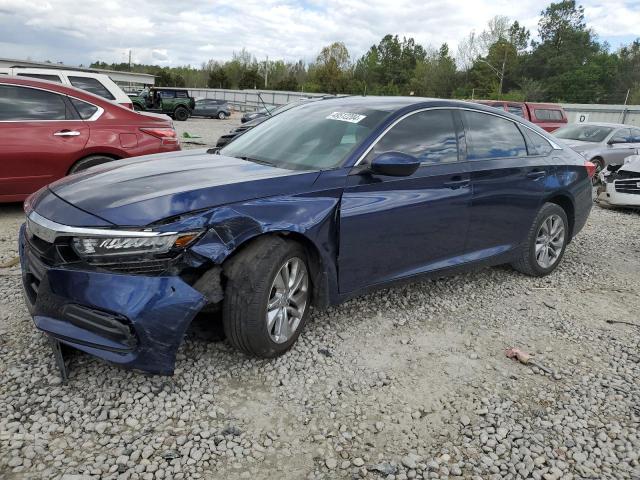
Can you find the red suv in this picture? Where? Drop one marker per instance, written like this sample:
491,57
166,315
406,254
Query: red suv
50,130
548,116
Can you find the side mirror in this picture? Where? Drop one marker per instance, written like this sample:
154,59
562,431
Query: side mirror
395,164
614,140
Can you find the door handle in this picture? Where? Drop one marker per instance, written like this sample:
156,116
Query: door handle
67,133
535,174
457,182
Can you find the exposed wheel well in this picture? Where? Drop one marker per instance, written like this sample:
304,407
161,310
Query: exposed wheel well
111,156
318,280
566,204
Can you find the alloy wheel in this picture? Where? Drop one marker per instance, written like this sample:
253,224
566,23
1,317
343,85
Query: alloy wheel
549,241
288,300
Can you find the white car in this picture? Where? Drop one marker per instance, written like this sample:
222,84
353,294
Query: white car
620,184
96,83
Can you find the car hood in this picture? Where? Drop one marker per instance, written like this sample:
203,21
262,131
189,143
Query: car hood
143,190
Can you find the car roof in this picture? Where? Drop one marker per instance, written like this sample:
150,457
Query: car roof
58,88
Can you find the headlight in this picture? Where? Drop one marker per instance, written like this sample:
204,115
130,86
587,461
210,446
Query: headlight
95,247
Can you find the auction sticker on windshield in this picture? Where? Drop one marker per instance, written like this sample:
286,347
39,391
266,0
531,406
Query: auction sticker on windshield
346,117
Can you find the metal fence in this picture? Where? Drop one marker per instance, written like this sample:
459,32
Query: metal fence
580,113
249,100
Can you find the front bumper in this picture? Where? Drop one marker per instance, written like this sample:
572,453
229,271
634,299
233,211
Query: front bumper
608,195
131,320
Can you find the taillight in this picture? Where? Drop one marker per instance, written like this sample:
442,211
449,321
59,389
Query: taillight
127,105
591,169
167,135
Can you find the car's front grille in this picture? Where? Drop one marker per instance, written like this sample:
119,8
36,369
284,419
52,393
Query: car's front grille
628,186
137,267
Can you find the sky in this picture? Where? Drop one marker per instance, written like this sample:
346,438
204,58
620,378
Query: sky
189,32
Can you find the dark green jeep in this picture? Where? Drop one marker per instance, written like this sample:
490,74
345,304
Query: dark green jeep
174,102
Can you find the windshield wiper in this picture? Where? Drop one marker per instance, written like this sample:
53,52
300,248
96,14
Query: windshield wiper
255,160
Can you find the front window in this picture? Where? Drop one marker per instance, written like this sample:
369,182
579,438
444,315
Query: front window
317,136
583,133
429,136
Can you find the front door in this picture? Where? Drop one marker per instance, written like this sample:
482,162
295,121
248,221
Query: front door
620,146
395,227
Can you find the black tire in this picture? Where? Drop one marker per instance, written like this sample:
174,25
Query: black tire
89,162
526,262
222,115
250,276
137,108
181,114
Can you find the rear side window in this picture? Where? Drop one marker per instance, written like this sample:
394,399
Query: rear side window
91,85
29,104
516,110
536,144
85,110
489,136
41,76
182,94
429,136
547,114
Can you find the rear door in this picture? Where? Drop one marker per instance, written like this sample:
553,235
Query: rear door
41,137
395,227
507,182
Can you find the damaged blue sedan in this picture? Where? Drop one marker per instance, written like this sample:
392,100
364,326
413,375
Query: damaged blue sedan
316,205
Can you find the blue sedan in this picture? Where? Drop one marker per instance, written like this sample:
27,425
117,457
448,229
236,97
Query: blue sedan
323,202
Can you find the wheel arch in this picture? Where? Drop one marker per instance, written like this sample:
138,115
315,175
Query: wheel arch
111,155
316,263
564,201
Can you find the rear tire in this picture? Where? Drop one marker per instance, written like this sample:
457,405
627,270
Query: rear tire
253,307
89,162
181,114
549,233
222,115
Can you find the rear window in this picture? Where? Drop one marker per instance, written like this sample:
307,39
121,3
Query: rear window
29,104
91,85
516,110
85,110
548,114
42,76
490,136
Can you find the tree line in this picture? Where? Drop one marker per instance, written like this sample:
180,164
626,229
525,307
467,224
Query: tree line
566,63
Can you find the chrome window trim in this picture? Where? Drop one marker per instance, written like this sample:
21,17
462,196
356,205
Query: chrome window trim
554,145
49,230
92,118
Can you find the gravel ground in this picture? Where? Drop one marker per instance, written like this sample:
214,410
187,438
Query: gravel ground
209,130
410,382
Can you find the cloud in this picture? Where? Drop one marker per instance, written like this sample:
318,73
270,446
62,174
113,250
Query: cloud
192,31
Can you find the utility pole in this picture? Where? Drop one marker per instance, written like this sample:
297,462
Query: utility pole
266,72
129,59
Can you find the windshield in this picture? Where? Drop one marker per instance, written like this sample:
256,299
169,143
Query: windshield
584,133
315,136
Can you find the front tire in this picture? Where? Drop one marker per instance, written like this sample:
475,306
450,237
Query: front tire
267,297
544,247
181,114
